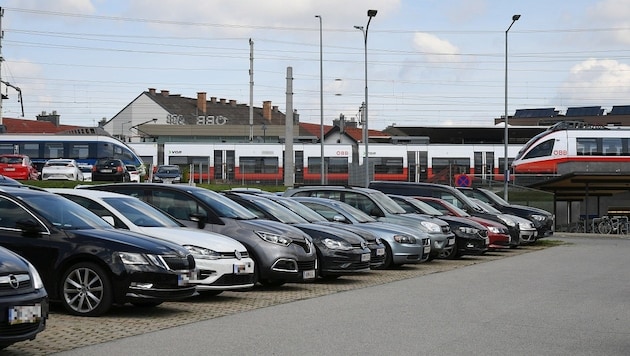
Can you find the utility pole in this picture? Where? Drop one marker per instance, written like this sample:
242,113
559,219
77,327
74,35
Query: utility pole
251,90
2,128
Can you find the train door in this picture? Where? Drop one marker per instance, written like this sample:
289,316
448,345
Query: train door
299,165
417,166
224,164
484,165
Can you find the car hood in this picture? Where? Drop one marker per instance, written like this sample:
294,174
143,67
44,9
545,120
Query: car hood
129,241
11,263
276,228
317,231
522,209
384,229
196,237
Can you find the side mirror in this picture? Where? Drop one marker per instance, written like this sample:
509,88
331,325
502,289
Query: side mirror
339,218
29,227
199,219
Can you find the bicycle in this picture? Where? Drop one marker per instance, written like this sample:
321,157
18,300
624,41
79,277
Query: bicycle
613,224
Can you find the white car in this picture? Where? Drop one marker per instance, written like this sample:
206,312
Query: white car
62,169
134,173
222,263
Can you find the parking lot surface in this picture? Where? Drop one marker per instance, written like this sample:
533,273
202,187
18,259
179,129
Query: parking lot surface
65,332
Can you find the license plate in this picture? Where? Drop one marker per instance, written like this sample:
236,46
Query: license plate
25,314
451,241
365,257
9,169
243,268
184,279
310,274
380,251
106,171
427,249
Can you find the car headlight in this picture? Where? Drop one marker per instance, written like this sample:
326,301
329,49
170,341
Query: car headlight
468,230
202,253
157,179
539,217
526,225
432,227
138,259
507,221
337,244
494,229
404,239
37,280
274,238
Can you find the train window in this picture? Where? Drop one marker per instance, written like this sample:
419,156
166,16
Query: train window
259,164
337,164
388,165
79,150
53,150
587,147
612,146
7,149
451,165
541,150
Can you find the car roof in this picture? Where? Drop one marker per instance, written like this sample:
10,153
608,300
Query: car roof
90,193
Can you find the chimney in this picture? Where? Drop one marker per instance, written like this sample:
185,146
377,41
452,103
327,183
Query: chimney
274,108
232,102
164,92
152,91
266,111
213,99
201,101
222,101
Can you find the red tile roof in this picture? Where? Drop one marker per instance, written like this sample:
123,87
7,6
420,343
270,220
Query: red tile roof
354,132
33,126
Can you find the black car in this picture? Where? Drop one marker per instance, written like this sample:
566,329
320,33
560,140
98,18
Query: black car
108,169
339,252
167,173
281,253
543,220
471,238
23,300
84,262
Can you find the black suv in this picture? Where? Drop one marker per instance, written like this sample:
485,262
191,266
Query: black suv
107,169
542,219
281,253
23,300
84,262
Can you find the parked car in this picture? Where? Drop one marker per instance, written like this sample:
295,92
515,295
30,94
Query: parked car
61,169
86,171
471,238
23,300
167,173
339,252
526,228
451,195
107,169
4,180
281,253
403,245
498,234
374,243
542,219
18,167
383,208
222,263
134,173
85,263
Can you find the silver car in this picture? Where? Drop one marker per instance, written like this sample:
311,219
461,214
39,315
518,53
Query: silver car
403,245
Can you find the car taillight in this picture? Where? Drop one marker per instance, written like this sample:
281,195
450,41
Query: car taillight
93,168
119,169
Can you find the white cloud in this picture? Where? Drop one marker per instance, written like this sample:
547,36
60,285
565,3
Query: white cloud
435,49
597,80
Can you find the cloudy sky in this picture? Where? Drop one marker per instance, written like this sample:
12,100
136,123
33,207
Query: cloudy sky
430,62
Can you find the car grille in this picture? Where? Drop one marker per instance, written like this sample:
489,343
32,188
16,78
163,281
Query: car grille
483,233
23,280
446,229
359,265
17,329
306,265
178,263
376,260
232,255
233,279
304,244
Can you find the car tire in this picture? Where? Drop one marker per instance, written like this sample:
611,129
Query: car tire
86,290
450,253
389,257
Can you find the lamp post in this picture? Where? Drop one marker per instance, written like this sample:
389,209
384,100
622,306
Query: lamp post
321,101
370,13
506,170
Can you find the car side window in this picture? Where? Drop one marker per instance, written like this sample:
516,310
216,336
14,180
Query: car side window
324,211
11,213
175,203
97,209
361,202
451,199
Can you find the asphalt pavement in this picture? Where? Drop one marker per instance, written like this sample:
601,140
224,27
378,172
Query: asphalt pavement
572,299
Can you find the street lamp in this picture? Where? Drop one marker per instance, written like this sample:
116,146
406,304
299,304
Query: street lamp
370,13
321,101
506,170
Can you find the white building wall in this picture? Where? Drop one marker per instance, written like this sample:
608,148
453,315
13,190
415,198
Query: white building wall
140,111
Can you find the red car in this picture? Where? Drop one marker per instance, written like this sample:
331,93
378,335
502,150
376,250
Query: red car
498,234
18,167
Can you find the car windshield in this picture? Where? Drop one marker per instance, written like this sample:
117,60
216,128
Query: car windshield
280,212
387,203
223,206
487,207
168,169
64,213
301,209
359,215
458,210
426,208
141,213
492,196
58,163
11,160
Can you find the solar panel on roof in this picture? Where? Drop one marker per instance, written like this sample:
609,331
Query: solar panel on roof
620,110
585,111
542,112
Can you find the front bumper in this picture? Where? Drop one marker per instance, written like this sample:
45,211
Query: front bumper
339,262
224,274
11,333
